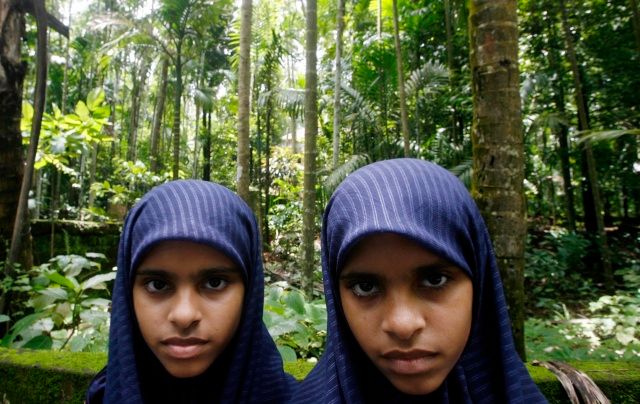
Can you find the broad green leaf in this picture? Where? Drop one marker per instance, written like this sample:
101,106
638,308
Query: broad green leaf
295,301
61,280
97,302
19,326
56,293
82,111
95,98
77,343
94,255
98,281
39,342
288,354
4,318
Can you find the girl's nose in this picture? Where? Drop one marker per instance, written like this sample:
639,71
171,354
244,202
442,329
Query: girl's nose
185,311
403,318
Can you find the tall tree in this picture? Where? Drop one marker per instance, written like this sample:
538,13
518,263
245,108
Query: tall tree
592,188
154,152
404,117
337,83
12,72
244,97
498,153
310,146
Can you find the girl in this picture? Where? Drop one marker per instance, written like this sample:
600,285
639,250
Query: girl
186,321
414,299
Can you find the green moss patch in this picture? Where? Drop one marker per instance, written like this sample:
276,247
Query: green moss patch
63,377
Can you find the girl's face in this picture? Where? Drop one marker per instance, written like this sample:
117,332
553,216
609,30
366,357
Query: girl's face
409,310
187,299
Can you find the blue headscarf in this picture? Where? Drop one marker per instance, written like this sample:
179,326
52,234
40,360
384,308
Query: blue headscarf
250,369
425,203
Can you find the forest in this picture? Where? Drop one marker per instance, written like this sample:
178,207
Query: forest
534,105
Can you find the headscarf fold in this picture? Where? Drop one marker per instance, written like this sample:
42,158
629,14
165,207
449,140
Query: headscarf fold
250,369
429,205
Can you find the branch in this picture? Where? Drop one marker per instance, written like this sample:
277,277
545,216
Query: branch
51,21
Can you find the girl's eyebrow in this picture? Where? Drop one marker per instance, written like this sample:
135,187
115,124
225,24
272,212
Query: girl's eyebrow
206,272
357,275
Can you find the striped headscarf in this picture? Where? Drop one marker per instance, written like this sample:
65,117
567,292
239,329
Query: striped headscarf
425,203
250,369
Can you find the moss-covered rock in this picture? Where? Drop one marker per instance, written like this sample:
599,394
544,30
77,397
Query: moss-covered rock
62,377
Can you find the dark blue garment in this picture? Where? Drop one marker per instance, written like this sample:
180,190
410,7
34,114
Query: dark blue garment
425,203
250,369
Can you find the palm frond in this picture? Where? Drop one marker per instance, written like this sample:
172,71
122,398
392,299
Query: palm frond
464,171
429,77
592,136
340,173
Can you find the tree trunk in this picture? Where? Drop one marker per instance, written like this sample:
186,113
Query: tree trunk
244,98
636,22
561,133
206,146
157,117
12,72
177,99
498,153
455,137
338,84
310,147
139,81
588,161
404,116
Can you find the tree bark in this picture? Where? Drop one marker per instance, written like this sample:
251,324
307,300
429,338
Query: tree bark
139,82
206,146
588,160
177,102
404,116
498,152
310,147
244,104
562,133
157,117
338,84
636,22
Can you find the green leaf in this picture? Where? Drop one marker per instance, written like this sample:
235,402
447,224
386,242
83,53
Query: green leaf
19,326
98,281
61,280
95,98
82,111
94,255
295,301
4,318
288,354
78,343
56,293
39,342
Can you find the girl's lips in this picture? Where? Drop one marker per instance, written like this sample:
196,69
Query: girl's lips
184,348
409,362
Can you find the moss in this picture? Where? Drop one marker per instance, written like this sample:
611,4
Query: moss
299,369
620,381
63,377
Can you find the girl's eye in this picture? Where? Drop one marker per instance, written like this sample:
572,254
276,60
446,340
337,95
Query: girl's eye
215,283
156,285
364,289
435,280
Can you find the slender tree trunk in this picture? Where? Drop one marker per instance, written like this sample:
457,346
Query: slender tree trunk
452,70
590,173
310,147
636,22
139,81
562,133
157,117
404,116
244,104
338,84
206,146
498,152
92,173
12,72
177,100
